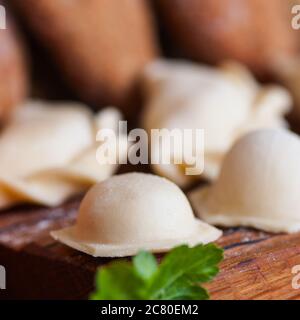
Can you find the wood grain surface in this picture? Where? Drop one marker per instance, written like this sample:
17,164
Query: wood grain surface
257,265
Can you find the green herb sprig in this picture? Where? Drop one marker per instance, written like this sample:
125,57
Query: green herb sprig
177,277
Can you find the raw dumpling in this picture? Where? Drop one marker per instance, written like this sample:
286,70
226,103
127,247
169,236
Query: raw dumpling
48,153
224,102
258,185
130,212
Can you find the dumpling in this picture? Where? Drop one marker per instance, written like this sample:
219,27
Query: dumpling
134,211
48,153
225,102
258,185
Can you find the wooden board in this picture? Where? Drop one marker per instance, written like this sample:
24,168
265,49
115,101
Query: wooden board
257,265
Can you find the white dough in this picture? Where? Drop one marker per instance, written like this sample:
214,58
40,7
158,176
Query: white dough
258,185
48,153
226,102
131,212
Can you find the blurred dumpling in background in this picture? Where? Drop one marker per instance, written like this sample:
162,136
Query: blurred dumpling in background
100,45
13,70
48,152
226,102
254,32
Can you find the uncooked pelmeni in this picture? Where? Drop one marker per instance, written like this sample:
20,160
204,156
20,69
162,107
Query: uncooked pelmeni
258,185
48,153
225,102
134,211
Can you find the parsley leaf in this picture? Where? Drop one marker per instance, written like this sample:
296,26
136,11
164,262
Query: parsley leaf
117,281
178,277
145,265
184,267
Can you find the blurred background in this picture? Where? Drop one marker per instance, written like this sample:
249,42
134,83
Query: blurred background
95,50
